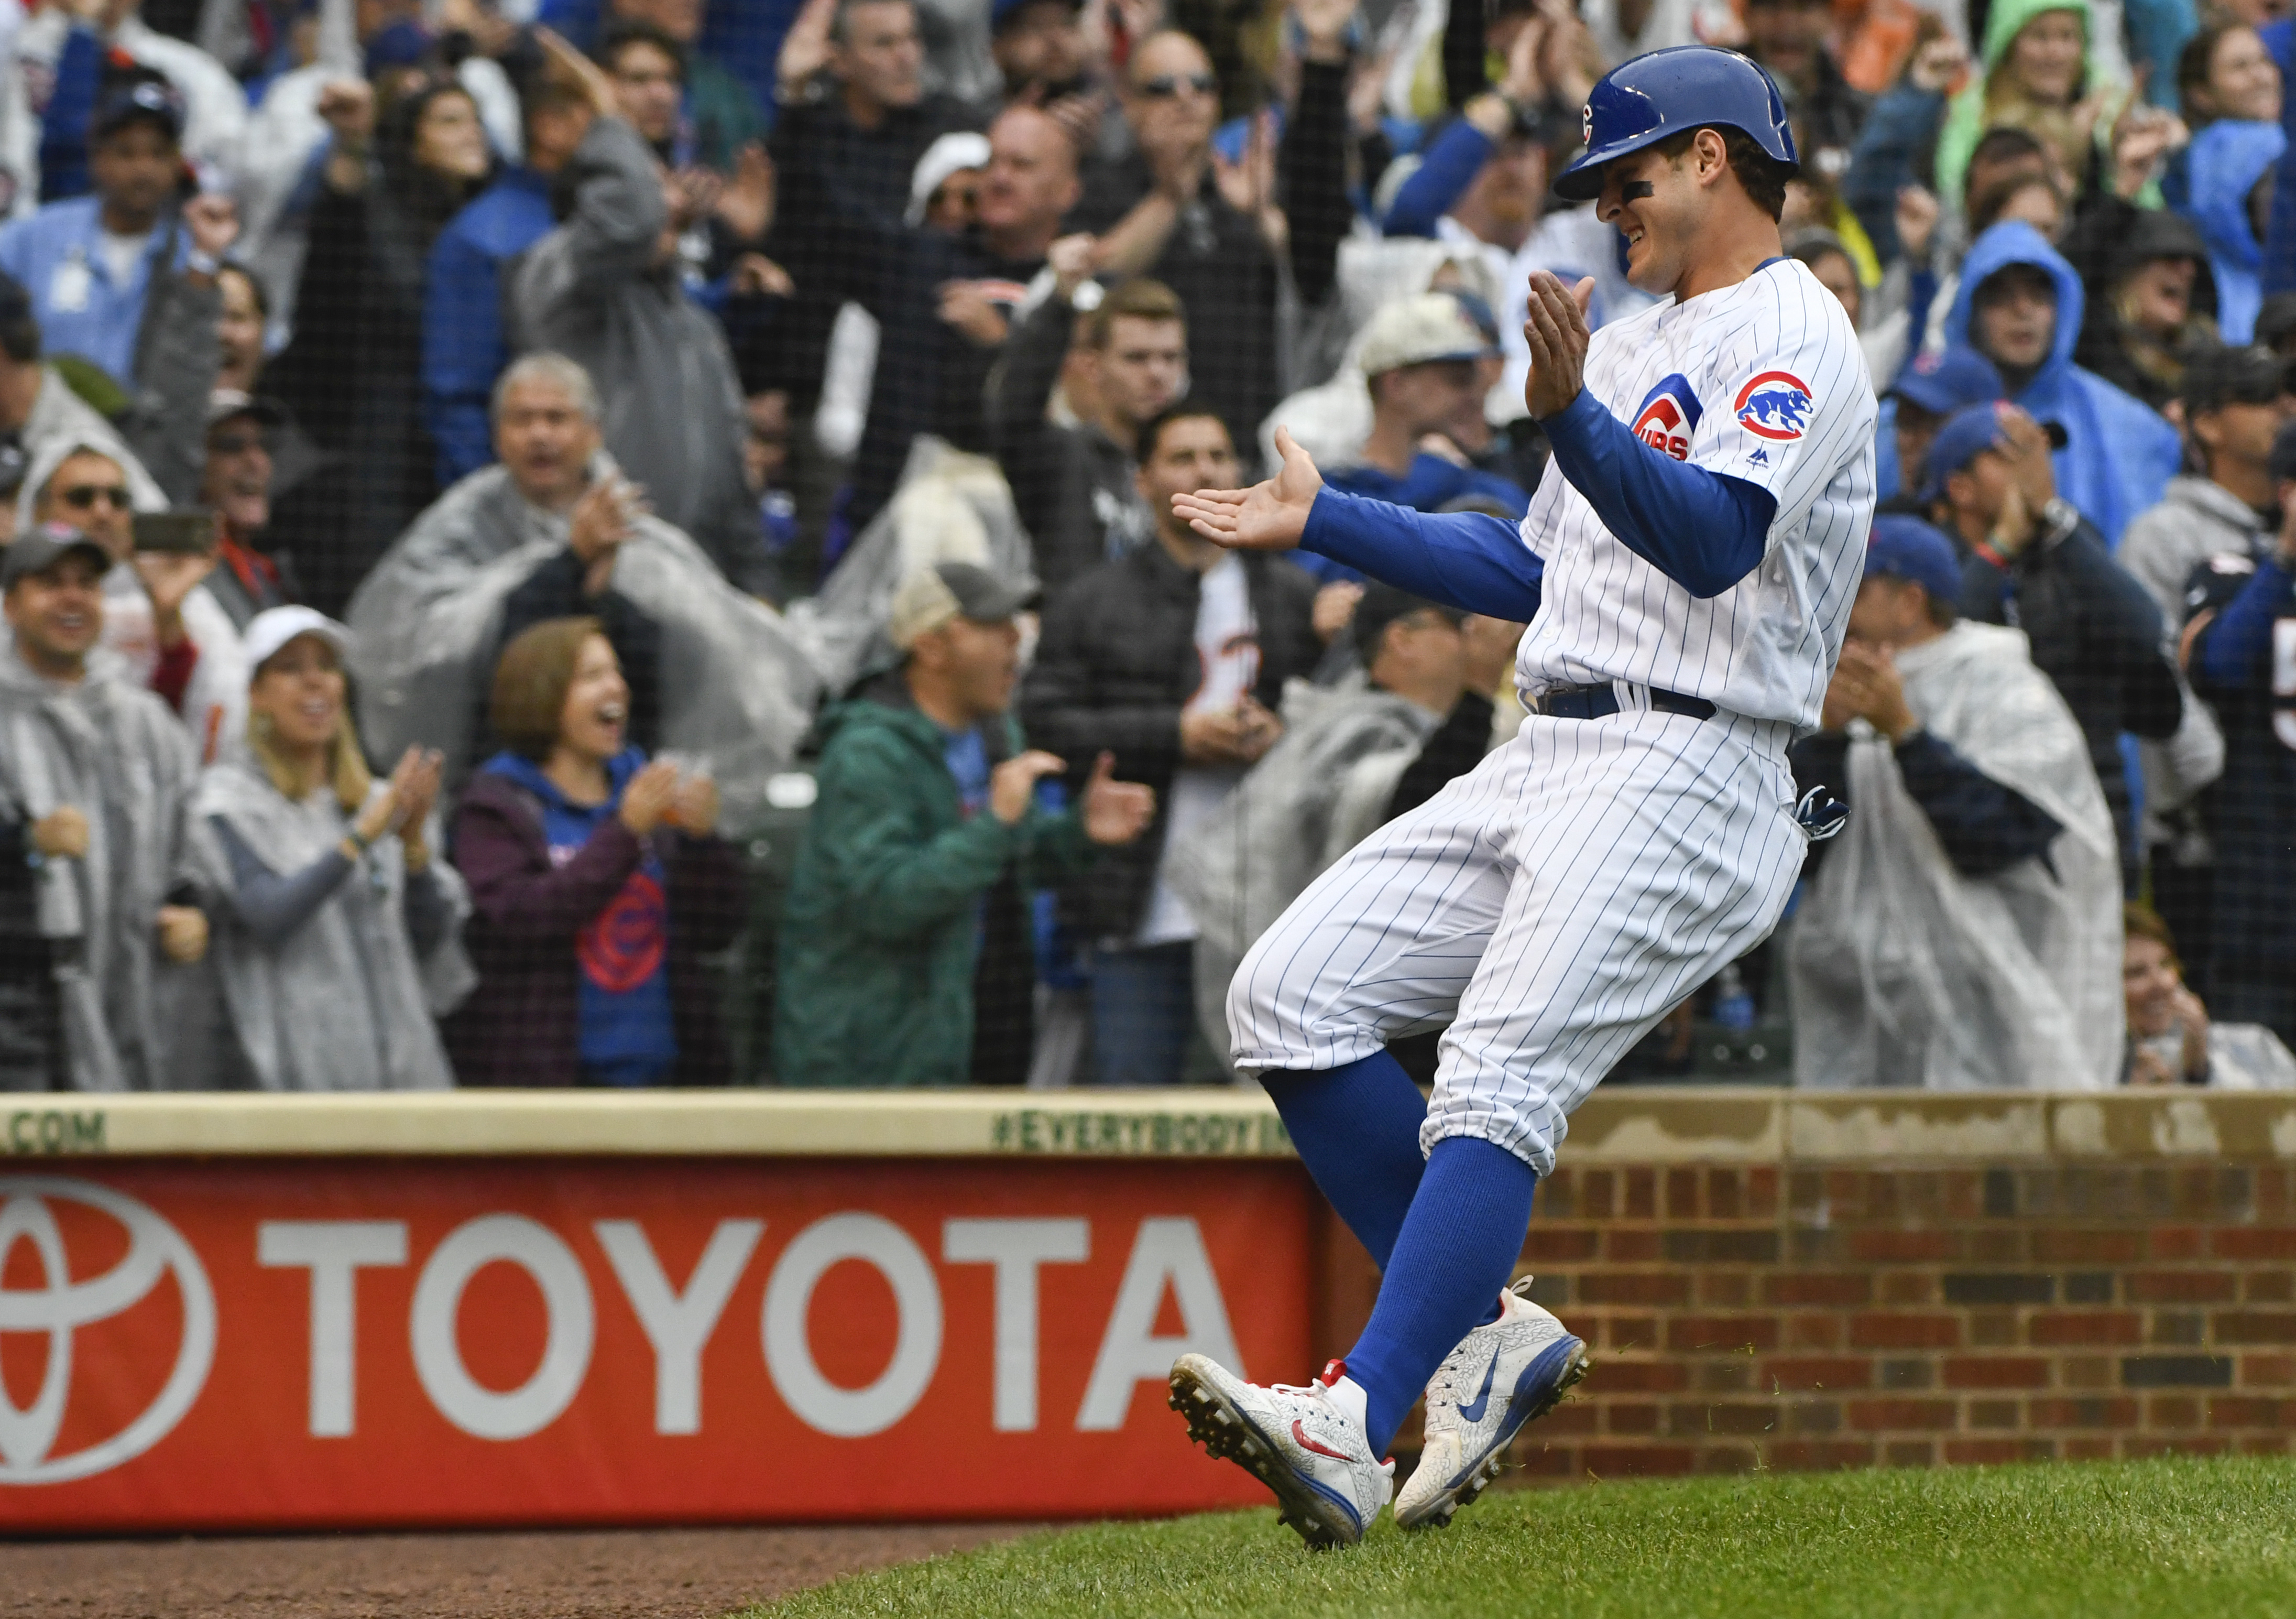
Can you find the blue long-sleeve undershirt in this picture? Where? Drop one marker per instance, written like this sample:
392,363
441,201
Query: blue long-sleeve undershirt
1702,529
2237,644
1448,166
1467,559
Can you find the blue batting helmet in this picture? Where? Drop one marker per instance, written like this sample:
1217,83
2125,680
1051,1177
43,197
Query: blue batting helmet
1670,92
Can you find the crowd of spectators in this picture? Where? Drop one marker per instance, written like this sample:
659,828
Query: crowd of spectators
630,542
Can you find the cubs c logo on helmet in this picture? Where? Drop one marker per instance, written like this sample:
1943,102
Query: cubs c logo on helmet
1669,415
1775,405
1587,124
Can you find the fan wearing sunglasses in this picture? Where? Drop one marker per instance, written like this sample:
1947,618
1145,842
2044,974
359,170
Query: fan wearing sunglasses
1202,217
158,614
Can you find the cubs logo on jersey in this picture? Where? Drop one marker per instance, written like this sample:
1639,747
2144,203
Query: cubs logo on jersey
1669,415
1775,405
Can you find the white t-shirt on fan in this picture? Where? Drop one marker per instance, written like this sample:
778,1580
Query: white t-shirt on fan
1228,651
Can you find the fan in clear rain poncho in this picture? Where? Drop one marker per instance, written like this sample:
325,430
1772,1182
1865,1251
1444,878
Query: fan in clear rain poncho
95,776
194,660
1963,932
338,933
1352,757
952,506
552,531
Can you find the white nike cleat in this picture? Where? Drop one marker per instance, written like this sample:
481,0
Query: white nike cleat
1500,1376
1307,1444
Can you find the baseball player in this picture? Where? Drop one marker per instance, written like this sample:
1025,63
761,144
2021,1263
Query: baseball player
1687,567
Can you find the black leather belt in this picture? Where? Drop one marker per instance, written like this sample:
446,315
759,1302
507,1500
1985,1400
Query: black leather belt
1600,701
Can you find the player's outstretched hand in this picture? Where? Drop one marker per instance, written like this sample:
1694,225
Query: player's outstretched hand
1555,328
1269,516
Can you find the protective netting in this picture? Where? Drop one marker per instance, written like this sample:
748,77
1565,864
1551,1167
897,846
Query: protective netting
632,539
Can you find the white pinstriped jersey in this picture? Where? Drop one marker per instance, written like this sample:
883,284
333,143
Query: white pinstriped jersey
1763,380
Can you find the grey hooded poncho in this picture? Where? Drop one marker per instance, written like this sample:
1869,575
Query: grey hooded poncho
1321,790
734,687
114,751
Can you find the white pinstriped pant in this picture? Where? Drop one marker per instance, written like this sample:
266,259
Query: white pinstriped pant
1550,905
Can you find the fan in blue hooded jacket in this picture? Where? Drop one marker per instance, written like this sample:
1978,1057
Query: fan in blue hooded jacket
2019,305
2224,168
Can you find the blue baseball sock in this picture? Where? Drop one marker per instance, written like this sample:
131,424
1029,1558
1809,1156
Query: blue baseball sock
1456,1249
1356,1129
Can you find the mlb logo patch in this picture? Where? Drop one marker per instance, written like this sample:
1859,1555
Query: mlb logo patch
1669,417
1775,405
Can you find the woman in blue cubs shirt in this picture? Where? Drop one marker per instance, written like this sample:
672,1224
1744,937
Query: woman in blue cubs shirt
596,881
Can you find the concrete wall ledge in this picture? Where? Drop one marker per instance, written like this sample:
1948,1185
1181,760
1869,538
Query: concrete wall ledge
1623,1124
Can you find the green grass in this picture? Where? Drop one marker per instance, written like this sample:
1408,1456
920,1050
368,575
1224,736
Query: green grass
2198,1540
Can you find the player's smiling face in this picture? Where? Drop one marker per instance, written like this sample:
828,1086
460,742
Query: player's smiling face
1656,202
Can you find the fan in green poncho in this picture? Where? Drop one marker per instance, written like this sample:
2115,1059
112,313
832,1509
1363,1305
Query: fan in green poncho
2040,65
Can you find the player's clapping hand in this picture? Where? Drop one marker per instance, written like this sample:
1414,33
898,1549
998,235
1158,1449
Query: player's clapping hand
1556,330
1115,811
1868,686
1269,516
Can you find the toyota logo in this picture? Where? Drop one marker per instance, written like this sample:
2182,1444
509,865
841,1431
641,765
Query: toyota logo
64,1305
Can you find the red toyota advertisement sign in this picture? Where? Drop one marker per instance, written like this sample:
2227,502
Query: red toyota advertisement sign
306,1343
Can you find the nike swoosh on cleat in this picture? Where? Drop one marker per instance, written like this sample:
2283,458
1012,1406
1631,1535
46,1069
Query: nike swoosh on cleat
1307,1443
1538,1379
1472,1411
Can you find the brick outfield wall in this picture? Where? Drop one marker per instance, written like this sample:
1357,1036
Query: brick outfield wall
1768,1281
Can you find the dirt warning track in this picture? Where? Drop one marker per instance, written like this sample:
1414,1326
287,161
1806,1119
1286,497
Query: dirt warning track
674,1574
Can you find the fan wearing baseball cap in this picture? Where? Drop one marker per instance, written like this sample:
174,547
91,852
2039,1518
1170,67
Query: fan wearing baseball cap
91,263
335,923
96,872
1427,365
2235,400
2031,559
1960,932
906,955
1931,388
